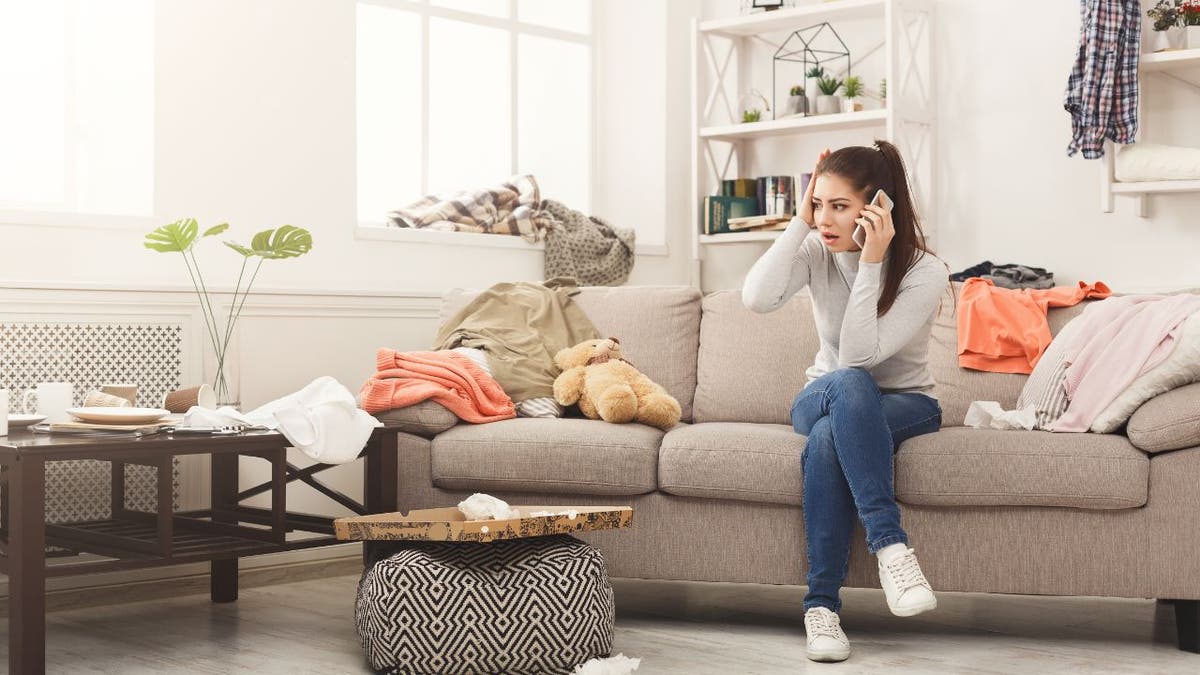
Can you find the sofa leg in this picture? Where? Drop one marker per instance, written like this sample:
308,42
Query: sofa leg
1187,623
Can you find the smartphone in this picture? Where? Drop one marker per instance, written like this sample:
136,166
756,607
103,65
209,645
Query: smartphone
881,198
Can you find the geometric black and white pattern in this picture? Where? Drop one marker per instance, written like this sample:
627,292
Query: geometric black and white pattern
535,605
88,355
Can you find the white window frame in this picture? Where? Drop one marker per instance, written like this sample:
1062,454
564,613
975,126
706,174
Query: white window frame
68,216
379,230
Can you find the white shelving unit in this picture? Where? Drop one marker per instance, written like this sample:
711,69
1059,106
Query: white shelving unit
1183,67
905,29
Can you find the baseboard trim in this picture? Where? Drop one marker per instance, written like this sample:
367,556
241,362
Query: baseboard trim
90,590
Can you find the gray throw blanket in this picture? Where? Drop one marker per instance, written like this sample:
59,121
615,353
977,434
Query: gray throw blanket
586,248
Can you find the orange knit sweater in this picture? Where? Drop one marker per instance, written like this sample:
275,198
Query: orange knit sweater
455,381
1004,330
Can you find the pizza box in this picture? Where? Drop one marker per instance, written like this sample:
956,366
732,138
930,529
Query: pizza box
449,524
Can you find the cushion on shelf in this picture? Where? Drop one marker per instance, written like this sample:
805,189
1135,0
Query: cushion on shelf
1169,421
1143,162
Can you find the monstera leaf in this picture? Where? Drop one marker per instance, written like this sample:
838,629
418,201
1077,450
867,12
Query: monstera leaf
176,237
287,241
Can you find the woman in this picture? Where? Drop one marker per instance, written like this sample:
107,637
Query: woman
870,388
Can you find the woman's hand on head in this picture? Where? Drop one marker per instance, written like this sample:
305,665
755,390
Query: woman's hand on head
877,221
805,210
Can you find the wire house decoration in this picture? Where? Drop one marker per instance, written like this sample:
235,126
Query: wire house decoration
816,45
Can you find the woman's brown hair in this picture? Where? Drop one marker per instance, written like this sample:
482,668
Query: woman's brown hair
868,169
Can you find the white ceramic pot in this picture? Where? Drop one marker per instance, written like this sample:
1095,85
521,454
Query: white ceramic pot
827,105
1160,41
848,105
797,105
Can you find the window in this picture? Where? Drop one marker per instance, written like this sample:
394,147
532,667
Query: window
77,119
462,94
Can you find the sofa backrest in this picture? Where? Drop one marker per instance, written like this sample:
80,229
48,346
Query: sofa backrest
751,366
658,326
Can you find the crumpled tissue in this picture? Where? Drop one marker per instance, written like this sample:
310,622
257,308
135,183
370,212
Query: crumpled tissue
321,420
486,507
613,665
989,415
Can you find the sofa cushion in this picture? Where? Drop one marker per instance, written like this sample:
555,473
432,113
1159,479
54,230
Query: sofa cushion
730,460
957,387
659,329
960,466
427,418
1169,421
529,454
751,366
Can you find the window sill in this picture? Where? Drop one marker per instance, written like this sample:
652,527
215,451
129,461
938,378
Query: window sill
379,232
71,219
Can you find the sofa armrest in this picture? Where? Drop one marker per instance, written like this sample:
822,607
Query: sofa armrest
1169,421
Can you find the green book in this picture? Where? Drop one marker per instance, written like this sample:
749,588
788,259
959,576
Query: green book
719,209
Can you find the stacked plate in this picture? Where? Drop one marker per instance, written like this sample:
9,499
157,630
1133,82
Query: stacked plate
114,415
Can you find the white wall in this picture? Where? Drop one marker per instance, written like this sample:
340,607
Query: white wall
1007,190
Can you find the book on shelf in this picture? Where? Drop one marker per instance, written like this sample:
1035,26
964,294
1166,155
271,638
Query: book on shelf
756,222
739,187
776,195
718,209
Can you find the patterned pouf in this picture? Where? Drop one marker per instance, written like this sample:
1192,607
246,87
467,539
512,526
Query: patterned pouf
537,605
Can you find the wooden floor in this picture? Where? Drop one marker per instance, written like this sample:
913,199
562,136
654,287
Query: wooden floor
307,627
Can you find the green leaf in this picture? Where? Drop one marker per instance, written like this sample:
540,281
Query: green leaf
177,237
216,229
247,253
287,241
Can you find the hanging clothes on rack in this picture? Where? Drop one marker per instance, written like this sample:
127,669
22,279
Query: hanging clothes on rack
1102,91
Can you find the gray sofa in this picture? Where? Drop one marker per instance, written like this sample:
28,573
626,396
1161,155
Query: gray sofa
718,497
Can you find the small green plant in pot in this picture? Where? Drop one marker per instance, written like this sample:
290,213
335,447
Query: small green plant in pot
797,103
752,115
182,236
827,102
851,90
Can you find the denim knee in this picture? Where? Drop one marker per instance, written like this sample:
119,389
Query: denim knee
819,447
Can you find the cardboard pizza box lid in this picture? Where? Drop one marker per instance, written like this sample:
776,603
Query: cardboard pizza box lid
449,524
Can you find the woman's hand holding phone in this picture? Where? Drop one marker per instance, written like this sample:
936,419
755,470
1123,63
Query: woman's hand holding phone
876,223
806,208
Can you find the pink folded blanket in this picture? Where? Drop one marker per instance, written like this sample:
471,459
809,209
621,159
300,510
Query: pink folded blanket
407,378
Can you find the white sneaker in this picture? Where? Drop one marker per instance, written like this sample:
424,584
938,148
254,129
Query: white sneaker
908,592
826,641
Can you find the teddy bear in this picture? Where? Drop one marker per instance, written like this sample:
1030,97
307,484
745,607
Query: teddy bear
606,386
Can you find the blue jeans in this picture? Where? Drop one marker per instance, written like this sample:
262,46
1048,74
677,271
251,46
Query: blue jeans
853,432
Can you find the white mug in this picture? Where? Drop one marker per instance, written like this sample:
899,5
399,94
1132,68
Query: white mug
3,412
53,400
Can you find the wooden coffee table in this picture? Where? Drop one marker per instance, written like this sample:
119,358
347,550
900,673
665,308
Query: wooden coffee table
134,539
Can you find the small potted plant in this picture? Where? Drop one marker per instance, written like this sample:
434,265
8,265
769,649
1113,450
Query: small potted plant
1165,17
752,113
827,102
797,103
815,74
851,90
1189,17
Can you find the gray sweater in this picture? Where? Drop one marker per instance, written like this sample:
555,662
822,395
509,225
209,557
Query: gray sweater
894,347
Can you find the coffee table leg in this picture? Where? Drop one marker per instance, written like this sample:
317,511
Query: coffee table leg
223,572
27,566
380,479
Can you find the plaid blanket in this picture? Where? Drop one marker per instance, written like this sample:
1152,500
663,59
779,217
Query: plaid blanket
514,207
1102,91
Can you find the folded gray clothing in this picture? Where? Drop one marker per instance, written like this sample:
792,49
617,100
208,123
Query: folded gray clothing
1020,276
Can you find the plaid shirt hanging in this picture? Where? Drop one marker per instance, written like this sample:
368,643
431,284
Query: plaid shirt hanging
1102,92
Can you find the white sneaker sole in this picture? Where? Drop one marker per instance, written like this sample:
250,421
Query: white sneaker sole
914,609
828,655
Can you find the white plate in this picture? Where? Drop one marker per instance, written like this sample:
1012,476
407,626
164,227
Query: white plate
114,415
18,421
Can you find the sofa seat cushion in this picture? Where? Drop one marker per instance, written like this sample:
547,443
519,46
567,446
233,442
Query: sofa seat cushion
732,460
961,466
529,454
